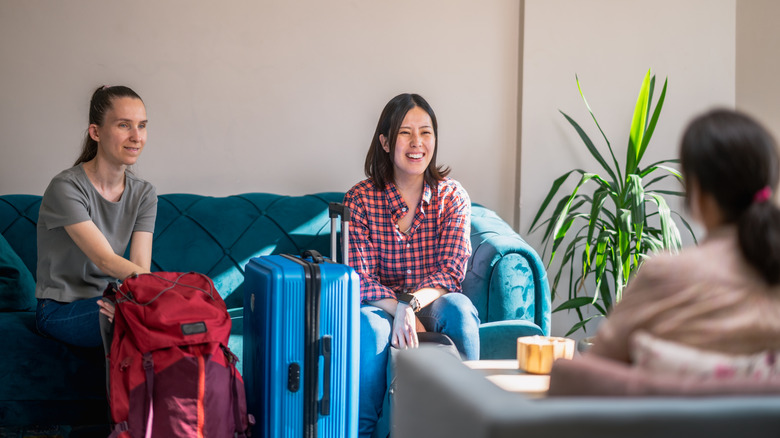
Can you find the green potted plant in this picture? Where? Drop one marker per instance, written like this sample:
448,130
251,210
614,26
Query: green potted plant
605,233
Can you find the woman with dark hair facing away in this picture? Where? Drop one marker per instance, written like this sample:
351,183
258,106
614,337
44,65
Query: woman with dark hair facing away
411,230
722,296
89,215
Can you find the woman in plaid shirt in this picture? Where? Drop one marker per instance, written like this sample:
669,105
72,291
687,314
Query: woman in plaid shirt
410,233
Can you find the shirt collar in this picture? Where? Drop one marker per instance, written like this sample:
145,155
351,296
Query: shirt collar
427,194
396,202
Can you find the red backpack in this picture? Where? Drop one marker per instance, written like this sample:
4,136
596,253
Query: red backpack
170,371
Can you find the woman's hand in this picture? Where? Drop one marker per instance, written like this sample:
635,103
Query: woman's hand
404,328
107,308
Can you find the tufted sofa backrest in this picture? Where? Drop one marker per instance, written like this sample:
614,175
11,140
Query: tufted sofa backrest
218,235
18,218
212,235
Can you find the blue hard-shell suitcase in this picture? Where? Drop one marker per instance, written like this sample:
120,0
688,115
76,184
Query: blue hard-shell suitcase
301,342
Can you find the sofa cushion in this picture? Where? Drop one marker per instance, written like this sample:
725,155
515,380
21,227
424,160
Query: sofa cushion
591,375
17,287
665,357
44,376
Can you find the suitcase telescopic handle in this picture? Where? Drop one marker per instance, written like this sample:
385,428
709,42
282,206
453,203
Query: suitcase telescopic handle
336,210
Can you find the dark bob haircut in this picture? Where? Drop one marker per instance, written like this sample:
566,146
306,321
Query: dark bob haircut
379,164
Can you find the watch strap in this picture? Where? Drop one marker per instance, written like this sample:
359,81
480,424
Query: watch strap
410,299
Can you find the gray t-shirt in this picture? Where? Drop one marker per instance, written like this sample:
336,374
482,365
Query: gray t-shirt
65,273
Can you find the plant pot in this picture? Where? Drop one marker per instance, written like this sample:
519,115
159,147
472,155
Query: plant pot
584,344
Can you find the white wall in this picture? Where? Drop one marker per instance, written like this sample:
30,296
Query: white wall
611,44
283,96
274,96
758,66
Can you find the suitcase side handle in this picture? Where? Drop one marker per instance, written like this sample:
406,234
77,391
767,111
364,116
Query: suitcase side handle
326,350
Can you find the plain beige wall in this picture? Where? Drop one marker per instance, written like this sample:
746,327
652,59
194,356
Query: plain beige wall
283,96
611,44
758,63
272,96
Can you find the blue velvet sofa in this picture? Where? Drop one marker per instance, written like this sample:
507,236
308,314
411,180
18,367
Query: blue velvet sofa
45,382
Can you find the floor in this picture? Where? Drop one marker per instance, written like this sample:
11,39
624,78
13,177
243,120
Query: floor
55,432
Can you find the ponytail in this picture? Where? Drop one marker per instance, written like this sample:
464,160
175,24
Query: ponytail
88,150
759,238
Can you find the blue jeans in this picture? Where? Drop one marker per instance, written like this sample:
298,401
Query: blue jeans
452,314
75,323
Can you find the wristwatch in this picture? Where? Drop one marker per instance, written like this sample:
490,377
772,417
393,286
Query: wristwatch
409,299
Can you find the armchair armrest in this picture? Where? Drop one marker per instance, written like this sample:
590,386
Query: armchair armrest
497,339
505,277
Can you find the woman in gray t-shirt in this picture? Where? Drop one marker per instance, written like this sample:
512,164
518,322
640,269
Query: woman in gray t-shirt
89,215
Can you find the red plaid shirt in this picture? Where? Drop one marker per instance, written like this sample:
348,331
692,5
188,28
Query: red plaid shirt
433,254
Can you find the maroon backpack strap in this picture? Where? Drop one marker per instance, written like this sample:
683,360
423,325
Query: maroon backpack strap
118,429
231,361
238,420
149,369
